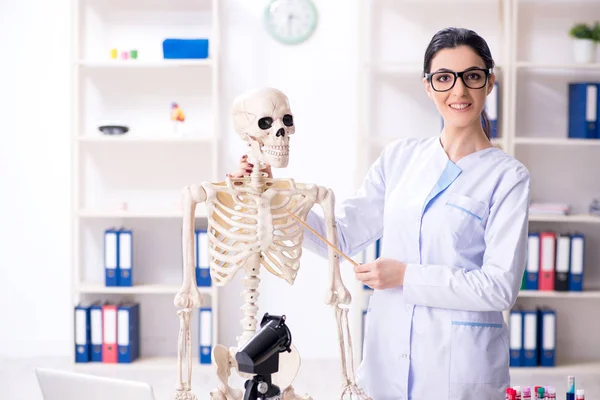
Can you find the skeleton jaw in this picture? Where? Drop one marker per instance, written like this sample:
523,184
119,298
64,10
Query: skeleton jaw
276,155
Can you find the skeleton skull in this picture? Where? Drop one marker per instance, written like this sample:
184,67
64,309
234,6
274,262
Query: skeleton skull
263,118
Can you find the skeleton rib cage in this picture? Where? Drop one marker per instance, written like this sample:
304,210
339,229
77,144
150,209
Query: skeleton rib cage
251,222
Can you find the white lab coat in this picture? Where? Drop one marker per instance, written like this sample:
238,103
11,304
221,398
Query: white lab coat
462,230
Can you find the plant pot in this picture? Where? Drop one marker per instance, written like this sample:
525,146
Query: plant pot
584,50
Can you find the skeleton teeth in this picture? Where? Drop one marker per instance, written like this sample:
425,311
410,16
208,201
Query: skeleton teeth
277,150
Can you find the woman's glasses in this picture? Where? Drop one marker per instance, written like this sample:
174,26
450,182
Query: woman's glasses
474,78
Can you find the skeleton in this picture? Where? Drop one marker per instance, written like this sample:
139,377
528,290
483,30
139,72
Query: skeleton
249,227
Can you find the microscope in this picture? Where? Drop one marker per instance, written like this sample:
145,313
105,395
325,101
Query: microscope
260,356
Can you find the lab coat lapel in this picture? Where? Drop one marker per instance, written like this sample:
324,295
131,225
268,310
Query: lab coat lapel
437,175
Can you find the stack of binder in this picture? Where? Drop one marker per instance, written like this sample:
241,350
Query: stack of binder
555,262
584,106
107,333
532,337
118,257
202,258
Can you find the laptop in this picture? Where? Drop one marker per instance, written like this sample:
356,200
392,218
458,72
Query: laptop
67,385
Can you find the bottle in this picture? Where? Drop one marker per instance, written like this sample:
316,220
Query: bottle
517,392
540,393
551,393
580,395
526,393
571,384
510,394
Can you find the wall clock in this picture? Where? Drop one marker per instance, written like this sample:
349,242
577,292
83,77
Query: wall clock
291,21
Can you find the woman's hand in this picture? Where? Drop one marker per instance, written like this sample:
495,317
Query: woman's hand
245,168
383,273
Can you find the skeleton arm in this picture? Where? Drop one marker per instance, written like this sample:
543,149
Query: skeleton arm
336,288
189,296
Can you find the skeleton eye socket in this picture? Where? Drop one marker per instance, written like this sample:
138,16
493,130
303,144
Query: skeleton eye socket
265,123
288,120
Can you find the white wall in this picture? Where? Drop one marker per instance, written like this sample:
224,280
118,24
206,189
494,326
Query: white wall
320,80
35,173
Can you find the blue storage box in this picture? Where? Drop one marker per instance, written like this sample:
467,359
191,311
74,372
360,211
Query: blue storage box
185,48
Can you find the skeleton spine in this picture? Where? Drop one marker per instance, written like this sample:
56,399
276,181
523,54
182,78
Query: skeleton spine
250,294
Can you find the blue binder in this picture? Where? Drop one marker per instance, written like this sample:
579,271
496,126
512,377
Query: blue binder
583,110
530,338
577,262
111,256
532,267
370,254
128,332
202,259
82,333
516,338
491,106
125,251
96,332
205,335
547,337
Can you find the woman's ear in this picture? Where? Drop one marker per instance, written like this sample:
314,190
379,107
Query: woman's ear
427,87
491,81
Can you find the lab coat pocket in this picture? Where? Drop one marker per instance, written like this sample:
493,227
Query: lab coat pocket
478,354
463,215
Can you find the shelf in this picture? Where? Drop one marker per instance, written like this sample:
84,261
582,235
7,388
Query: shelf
128,64
558,67
564,369
385,140
557,141
99,288
149,139
583,218
586,294
393,67
200,213
145,363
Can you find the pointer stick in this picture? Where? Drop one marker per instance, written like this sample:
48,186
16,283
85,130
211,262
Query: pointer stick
322,238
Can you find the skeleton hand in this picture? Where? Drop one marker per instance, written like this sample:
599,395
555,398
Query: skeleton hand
245,168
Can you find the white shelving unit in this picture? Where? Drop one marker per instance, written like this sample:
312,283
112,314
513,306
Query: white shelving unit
135,180
393,36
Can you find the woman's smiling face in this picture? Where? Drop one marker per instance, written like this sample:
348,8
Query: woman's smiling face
460,106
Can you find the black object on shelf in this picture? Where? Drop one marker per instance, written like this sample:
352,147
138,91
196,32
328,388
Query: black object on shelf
113,129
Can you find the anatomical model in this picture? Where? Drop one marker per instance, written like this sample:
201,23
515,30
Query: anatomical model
250,228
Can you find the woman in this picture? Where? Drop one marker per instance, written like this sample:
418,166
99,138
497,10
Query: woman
452,213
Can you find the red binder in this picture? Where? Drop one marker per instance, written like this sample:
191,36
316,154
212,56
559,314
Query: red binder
547,260
109,333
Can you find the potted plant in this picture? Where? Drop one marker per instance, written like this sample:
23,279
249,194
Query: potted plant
584,45
596,34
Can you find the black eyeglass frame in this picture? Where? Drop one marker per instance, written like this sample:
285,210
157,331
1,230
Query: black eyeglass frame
486,71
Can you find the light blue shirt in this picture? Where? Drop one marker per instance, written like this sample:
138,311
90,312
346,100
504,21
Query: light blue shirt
462,230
